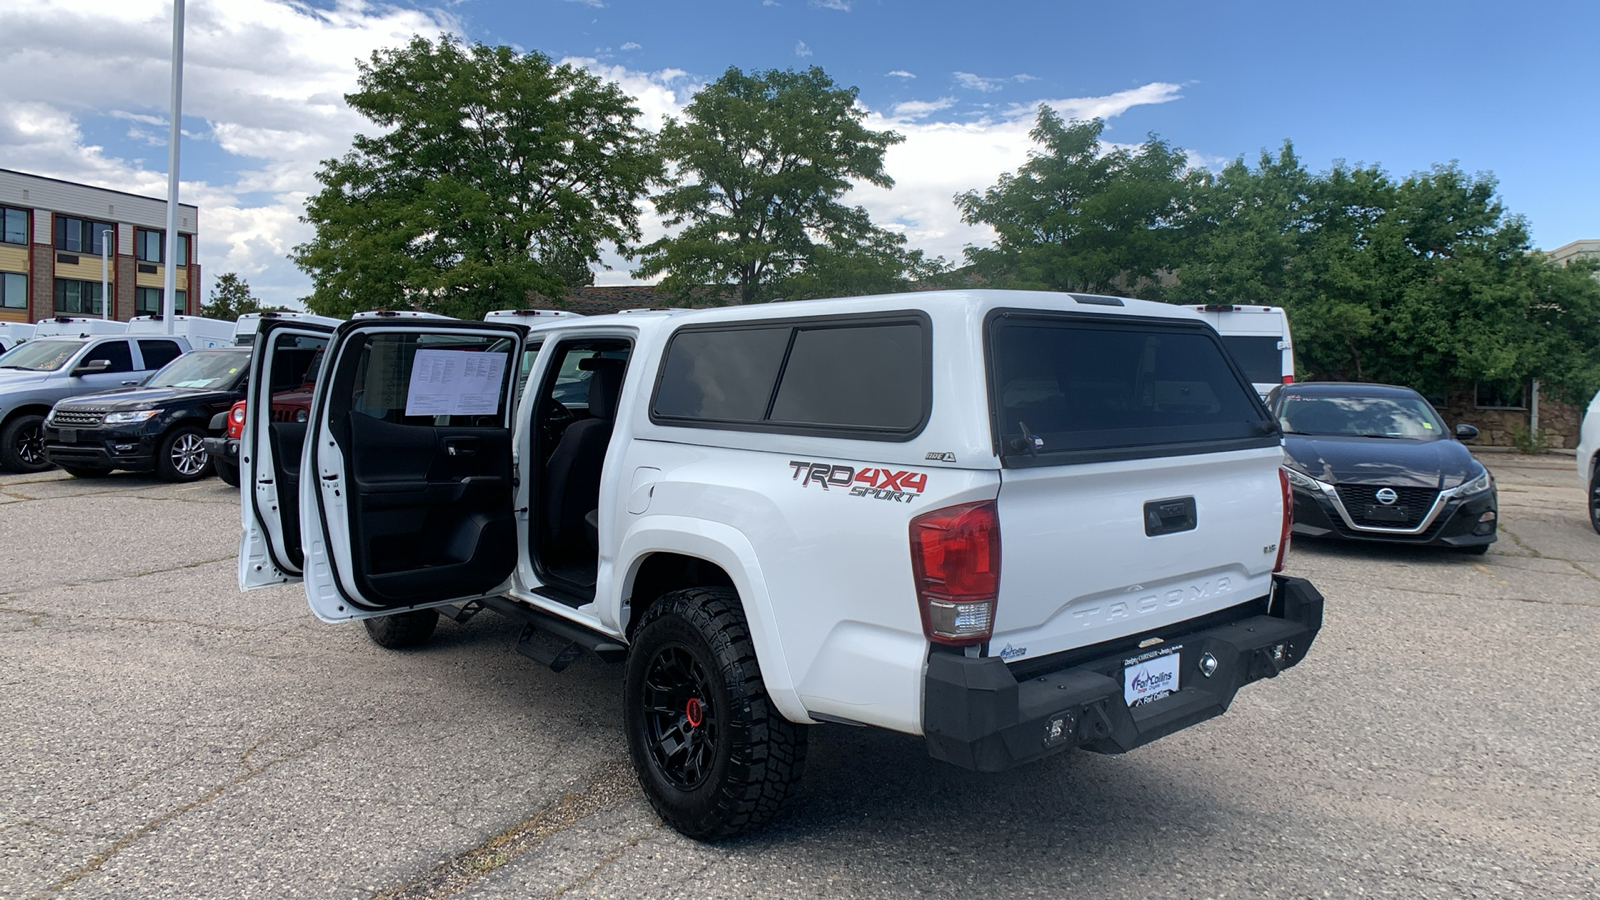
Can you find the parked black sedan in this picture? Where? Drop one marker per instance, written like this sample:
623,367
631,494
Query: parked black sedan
1375,462
161,426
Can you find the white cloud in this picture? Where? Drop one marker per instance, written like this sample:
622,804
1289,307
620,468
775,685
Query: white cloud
921,109
801,50
975,83
840,5
1102,107
900,73
597,4
632,46
276,111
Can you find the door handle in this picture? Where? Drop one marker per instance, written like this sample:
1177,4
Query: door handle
467,447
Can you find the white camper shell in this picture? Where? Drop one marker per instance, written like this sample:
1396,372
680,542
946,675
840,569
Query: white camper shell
77,326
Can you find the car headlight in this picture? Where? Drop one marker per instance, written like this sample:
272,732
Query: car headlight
130,416
1302,480
1477,485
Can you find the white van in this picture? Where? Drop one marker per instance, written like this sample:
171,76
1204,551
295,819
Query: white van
14,333
201,333
244,330
1258,338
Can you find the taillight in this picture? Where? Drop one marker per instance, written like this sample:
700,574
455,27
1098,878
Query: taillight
1288,519
955,557
1288,379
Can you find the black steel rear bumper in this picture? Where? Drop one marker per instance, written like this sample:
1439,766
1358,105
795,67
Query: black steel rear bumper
977,715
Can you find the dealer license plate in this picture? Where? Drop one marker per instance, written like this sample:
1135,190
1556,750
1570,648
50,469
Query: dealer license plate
1151,676
68,435
1388,513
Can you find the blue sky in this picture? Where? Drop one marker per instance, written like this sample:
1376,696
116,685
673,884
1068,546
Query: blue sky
1496,88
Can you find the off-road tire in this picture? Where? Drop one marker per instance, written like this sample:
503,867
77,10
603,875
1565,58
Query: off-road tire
182,456
1594,496
749,756
86,471
22,445
227,471
401,631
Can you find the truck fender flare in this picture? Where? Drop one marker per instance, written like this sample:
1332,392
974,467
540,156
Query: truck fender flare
728,548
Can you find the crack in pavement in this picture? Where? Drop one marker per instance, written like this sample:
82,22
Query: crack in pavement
602,864
608,783
100,859
126,575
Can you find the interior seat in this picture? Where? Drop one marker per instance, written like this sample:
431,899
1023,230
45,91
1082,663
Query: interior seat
572,474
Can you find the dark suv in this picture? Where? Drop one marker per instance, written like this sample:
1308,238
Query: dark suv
160,426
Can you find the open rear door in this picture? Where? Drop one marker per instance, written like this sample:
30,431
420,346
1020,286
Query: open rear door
407,495
284,363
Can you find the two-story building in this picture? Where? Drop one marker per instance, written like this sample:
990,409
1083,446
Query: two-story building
51,235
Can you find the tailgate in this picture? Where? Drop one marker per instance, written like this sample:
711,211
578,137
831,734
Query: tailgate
1102,551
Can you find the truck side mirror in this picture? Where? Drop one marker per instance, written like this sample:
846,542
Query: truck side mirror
92,367
1466,432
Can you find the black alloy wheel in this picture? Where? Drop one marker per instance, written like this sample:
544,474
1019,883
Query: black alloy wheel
22,444
712,753
681,723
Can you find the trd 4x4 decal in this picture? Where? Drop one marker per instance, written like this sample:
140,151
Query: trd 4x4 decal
875,482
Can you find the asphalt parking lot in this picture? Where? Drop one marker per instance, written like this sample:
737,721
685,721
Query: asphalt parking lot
163,735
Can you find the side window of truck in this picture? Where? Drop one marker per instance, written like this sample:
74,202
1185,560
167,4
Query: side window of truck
118,353
865,380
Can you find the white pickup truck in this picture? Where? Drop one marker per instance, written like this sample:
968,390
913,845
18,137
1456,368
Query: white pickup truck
1011,523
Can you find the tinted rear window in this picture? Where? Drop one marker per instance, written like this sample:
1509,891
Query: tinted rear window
1066,389
1257,355
868,380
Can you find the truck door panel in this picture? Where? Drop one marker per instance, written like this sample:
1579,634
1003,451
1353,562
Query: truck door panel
432,510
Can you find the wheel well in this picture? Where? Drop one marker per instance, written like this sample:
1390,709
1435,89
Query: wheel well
25,411
662,573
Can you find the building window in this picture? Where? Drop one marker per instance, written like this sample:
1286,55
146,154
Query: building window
150,245
13,290
80,235
147,302
13,225
78,297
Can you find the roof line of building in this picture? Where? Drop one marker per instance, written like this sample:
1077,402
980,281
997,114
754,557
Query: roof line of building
79,184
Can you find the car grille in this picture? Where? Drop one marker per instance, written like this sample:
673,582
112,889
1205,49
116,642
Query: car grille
1360,499
77,417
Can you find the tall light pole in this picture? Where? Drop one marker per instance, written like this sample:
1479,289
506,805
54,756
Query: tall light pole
169,279
105,272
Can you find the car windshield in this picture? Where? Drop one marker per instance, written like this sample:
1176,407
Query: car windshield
204,370
1386,417
40,356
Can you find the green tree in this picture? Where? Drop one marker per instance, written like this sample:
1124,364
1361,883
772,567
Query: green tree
230,299
495,174
760,163
1079,216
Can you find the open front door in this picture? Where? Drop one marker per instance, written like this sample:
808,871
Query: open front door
283,370
407,495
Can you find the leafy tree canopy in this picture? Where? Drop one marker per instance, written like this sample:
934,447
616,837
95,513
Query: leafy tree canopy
1080,215
760,163
495,173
